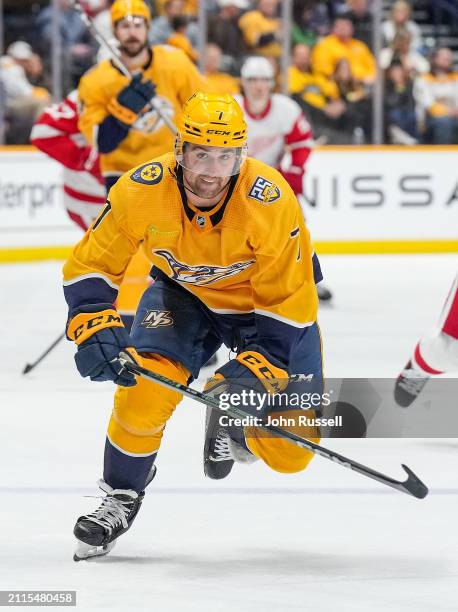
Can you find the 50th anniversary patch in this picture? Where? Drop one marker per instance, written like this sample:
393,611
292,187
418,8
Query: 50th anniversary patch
264,191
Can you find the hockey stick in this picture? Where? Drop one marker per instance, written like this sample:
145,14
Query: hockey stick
30,366
103,42
412,486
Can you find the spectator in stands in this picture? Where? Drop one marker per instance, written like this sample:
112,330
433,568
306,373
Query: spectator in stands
218,81
72,29
78,46
310,21
361,16
315,89
339,45
356,97
350,89
179,38
190,7
224,29
23,101
261,29
437,97
401,117
161,27
30,63
320,100
400,19
401,50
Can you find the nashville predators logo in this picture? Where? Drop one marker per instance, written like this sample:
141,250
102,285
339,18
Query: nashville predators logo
149,174
157,318
203,274
264,191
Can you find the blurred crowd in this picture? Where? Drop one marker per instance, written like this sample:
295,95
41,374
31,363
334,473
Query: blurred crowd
332,72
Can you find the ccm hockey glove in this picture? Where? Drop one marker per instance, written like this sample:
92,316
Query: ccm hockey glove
132,99
253,369
100,336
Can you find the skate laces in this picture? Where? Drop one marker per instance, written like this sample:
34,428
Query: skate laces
112,512
221,449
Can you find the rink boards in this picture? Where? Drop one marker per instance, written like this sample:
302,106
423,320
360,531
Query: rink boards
356,200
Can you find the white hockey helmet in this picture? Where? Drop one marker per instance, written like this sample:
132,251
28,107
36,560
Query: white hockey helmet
257,67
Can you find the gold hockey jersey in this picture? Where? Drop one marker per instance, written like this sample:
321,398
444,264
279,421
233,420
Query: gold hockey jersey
251,253
176,79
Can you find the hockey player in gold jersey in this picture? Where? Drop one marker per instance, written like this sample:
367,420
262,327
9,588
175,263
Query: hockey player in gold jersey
115,117
233,264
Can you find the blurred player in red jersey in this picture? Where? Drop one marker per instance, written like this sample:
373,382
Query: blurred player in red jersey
436,353
56,133
278,132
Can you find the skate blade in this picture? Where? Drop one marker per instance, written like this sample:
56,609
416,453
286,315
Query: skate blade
86,551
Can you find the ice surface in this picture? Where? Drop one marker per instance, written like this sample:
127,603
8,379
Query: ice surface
325,539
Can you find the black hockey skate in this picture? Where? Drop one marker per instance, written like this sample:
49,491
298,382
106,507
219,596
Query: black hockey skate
218,459
98,531
409,385
221,451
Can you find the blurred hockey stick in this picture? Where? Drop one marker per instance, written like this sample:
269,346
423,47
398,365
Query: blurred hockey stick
412,486
30,366
103,42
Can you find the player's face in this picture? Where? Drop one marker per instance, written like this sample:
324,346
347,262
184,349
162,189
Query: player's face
207,169
257,89
132,33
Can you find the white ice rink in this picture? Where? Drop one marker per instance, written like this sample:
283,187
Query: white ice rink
323,540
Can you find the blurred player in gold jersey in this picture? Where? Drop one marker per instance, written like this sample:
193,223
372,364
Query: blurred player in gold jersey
233,264
116,119
114,116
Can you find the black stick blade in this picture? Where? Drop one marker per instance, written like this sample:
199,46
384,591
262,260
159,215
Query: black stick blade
27,368
414,485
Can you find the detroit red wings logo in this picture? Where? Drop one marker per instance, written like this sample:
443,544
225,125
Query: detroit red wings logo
201,274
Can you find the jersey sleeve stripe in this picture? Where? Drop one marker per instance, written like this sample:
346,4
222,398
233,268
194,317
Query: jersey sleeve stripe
42,130
88,291
83,277
277,317
85,197
229,311
102,215
301,143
